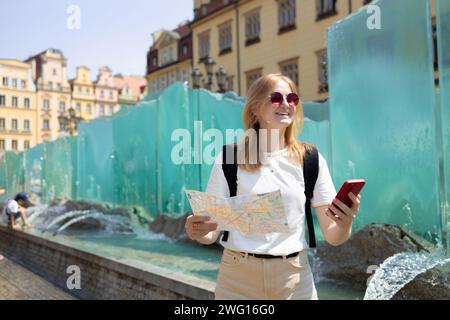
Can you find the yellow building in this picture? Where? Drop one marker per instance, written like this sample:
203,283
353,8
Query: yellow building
53,92
169,59
18,113
83,94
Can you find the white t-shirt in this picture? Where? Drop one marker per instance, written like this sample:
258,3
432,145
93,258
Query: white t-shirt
12,206
278,173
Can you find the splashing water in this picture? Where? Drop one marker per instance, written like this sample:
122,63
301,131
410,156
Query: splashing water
397,271
65,216
88,215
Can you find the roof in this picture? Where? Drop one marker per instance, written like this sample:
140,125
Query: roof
134,83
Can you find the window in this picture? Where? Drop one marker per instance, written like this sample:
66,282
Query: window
153,86
58,85
162,83
5,81
79,89
14,83
286,15
26,103
26,125
2,145
290,70
225,38
2,123
167,56
252,76
2,101
154,61
26,144
46,124
325,8
14,124
204,45
88,109
252,28
111,109
23,83
323,75
78,107
172,78
88,91
110,94
62,106
185,50
54,72
14,145
102,93
15,102
50,85
102,110
46,105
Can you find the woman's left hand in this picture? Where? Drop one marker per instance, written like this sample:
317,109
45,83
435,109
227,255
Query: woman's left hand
341,214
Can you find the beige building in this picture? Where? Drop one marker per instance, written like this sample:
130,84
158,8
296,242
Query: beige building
83,94
106,94
18,110
254,37
169,59
53,92
130,89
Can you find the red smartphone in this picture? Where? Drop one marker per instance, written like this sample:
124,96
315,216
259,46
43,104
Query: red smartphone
354,186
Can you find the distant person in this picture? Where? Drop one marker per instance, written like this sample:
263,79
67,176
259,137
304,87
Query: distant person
15,209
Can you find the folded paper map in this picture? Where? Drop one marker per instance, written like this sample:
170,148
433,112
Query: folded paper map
248,214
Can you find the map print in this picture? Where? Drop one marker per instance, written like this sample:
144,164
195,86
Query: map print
248,214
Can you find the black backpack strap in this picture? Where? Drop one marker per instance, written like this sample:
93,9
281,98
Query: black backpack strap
230,171
310,174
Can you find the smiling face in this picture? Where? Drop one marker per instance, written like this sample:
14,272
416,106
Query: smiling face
278,115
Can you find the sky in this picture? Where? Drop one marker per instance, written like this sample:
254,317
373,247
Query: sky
93,33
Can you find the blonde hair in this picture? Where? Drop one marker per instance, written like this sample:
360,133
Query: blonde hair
256,98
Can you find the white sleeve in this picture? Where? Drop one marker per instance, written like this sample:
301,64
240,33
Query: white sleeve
217,183
13,206
324,190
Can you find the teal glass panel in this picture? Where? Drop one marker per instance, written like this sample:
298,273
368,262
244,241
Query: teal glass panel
382,102
443,37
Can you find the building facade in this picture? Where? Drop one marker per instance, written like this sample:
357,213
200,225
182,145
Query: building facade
250,38
169,59
106,94
18,109
83,94
53,92
130,89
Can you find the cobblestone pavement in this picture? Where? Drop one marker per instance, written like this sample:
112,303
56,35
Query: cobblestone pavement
17,283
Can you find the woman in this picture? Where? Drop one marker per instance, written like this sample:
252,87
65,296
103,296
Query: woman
274,265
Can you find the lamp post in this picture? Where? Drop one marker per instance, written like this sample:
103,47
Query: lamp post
69,123
221,76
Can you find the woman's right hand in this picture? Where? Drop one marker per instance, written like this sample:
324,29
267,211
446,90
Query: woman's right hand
197,227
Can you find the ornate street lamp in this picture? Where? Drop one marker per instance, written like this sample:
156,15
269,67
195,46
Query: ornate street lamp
196,78
69,123
209,65
222,78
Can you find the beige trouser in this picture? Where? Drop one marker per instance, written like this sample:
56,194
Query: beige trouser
243,277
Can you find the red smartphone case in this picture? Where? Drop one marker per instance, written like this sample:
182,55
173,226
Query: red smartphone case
355,186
